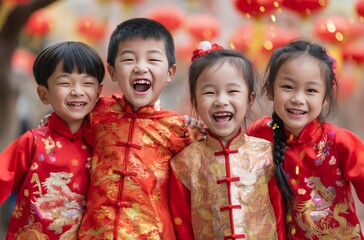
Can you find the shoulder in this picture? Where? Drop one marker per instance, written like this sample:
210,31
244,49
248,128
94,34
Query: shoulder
257,144
342,136
190,154
261,128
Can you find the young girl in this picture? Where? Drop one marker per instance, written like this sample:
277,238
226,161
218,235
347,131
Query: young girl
321,160
219,186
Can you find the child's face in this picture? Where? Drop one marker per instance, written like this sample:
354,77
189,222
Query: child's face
141,71
72,96
222,100
299,93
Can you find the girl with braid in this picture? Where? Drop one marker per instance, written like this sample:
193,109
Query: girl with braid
316,161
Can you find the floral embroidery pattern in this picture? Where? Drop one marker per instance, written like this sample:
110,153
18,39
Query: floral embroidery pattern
323,148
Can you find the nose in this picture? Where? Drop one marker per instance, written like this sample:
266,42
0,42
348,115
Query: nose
77,91
297,98
140,69
221,101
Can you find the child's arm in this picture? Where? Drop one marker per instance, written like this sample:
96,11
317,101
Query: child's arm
351,154
15,161
180,203
278,207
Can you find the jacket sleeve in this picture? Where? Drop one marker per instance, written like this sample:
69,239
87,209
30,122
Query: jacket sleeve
180,204
15,161
351,154
278,206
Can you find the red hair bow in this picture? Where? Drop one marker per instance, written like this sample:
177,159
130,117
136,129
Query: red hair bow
204,48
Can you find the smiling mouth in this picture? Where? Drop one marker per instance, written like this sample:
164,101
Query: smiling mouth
141,85
296,112
76,105
222,117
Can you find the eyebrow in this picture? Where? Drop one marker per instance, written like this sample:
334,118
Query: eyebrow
228,85
132,51
314,82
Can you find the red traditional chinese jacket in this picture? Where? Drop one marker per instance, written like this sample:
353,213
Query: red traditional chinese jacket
46,166
222,192
128,195
321,163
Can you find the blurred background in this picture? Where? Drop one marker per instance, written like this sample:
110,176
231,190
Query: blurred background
254,27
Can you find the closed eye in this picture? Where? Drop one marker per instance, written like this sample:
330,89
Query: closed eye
311,90
286,87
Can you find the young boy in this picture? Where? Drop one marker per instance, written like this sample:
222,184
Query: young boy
134,139
46,166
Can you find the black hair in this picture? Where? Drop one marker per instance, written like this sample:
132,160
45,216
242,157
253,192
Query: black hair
75,56
140,28
280,56
239,61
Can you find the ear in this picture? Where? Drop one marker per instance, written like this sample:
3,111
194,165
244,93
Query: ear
324,103
43,94
111,71
171,73
252,97
100,89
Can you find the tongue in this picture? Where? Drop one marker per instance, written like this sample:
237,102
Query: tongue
141,87
222,119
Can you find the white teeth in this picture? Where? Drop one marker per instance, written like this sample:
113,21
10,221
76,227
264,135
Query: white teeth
296,112
76,104
141,82
222,114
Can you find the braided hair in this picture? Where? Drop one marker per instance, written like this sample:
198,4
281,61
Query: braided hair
327,65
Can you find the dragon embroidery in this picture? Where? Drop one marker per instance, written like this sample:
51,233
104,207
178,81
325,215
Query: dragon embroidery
58,204
315,216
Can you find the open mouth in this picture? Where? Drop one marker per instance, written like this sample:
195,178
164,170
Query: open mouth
296,112
222,117
141,85
76,104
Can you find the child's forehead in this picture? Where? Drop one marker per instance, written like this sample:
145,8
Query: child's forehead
142,41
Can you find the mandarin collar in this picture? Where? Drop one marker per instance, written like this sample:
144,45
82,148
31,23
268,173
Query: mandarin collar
126,107
305,135
217,145
59,126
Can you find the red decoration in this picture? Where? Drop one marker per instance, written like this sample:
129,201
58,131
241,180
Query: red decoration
256,7
336,29
23,60
276,37
92,28
305,7
354,51
131,2
20,2
347,84
203,27
171,17
38,25
242,37
360,7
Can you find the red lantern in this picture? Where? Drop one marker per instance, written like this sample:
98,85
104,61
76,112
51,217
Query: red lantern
171,17
276,37
360,7
347,84
131,2
354,51
23,60
242,37
256,7
305,7
337,29
203,27
38,25
19,2
91,28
